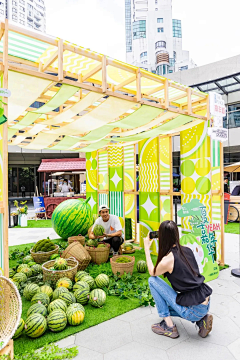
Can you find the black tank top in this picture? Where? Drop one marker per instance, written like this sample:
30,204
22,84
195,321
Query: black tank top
191,288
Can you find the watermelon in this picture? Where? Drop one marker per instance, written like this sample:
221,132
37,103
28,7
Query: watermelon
56,305
92,242
89,280
57,320
79,275
21,267
46,289
37,269
80,285
59,291
30,290
19,330
82,296
17,284
75,314
27,259
64,282
11,273
60,264
41,298
54,256
37,309
141,266
101,246
35,325
27,271
98,230
128,246
97,297
20,277
102,280
72,217
68,297
31,263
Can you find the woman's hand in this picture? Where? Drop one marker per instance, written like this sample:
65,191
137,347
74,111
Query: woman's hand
147,242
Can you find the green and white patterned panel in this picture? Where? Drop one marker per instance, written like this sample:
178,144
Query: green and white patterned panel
115,163
103,170
129,168
116,206
103,199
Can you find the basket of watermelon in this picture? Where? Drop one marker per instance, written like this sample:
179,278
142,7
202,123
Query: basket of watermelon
43,249
79,238
98,250
54,270
79,252
122,264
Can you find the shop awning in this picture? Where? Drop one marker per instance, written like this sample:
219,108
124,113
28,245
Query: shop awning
50,165
66,97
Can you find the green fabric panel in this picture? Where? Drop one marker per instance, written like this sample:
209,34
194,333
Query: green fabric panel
140,117
28,119
98,133
11,132
63,94
65,143
94,146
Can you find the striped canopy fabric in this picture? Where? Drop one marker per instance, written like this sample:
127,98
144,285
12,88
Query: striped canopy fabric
66,97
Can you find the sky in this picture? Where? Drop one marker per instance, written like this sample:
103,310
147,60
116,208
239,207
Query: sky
210,28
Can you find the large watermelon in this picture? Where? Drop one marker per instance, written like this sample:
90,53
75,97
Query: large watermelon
82,296
60,264
75,314
21,267
35,325
20,277
30,290
97,298
98,230
89,280
59,291
68,297
80,274
72,217
46,289
41,298
102,280
19,330
64,282
37,309
80,285
57,305
141,266
57,320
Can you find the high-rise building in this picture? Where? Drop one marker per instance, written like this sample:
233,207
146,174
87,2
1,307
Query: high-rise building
27,13
154,38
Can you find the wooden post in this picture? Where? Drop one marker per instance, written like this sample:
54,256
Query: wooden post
171,177
104,73
5,154
222,203
139,91
166,94
189,101
60,60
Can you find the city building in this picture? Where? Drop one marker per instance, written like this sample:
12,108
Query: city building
222,77
154,38
27,13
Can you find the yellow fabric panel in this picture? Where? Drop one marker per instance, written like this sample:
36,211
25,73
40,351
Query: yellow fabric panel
75,109
42,141
102,115
25,90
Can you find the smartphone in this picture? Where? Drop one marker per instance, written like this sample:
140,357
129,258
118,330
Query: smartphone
153,235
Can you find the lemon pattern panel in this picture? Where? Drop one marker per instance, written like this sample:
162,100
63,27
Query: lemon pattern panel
148,211
164,163
103,170
91,171
145,227
129,167
130,205
165,208
115,162
148,165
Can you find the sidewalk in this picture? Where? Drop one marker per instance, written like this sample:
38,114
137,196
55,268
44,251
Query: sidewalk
129,336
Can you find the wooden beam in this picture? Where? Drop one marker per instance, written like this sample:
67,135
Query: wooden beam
124,83
51,59
2,28
139,91
92,72
84,52
152,77
104,73
189,98
153,91
120,65
166,94
177,97
60,60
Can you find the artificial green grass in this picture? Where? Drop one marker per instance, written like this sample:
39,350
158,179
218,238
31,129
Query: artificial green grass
37,224
93,316
232,228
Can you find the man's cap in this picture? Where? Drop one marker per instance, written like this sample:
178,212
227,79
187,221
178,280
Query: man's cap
103,207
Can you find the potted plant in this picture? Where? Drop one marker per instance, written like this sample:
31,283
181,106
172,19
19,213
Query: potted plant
22,212
15,218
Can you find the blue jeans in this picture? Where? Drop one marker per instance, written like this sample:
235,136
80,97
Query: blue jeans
165,299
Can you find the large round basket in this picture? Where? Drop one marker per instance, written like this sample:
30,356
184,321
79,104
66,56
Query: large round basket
80,239
77,251
41,257
10,310
99,255
55,275
121,268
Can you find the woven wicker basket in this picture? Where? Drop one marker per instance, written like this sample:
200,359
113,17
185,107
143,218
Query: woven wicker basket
128,251
79,252
80,239
55,275
41,257
10,310
99,255
121,268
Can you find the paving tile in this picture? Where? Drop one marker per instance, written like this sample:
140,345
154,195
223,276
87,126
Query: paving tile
135,314
237,281
136,351
236,317
224,331
223,305
106,336
234,348
86,354
68,341
193,349
237,297
224,287
142,333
